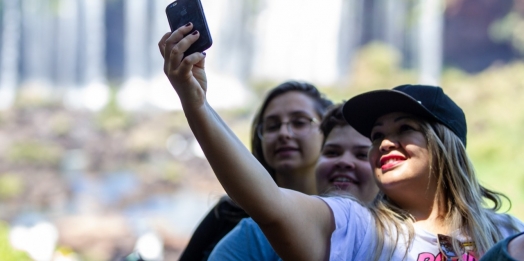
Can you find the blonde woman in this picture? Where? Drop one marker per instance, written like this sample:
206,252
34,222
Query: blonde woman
431,206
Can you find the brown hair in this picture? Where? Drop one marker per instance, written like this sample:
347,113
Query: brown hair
332,118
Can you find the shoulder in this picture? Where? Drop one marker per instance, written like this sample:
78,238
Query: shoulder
507,224
346,208
249,223
247,228
245,242
354,228
500,250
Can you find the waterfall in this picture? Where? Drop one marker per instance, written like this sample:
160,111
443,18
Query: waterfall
227,63
37,41
93,82
67,55
159,26
230,58
395,23
429,39
133,94
252,40
67,44
9,59
232,22
160,92
298,39
350,35
81,66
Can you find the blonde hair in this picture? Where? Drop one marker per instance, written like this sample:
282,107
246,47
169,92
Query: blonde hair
465,200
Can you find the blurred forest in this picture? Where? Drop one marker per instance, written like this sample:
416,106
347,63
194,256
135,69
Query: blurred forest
139,164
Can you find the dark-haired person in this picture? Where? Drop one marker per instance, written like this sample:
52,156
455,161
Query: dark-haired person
431,205
286,140
342,168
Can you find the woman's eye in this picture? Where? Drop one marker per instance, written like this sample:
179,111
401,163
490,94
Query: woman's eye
272,126
406,127
299,123
330,153
376,136
362,156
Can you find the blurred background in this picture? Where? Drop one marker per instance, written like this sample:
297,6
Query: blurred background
97,159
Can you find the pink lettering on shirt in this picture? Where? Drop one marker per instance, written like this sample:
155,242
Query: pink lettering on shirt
430,257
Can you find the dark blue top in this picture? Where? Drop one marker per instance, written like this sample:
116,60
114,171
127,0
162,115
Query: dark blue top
499,252
245,242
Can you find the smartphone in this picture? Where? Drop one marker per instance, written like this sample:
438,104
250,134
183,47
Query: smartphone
181,12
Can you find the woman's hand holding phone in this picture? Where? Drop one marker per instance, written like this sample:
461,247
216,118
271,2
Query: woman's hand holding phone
181,12
187,75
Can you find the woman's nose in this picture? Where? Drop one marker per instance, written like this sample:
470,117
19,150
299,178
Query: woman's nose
284,130
388,143
346,161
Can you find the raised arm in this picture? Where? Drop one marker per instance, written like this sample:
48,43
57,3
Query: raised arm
298,226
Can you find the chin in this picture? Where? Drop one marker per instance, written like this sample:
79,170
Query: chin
286,166
388,186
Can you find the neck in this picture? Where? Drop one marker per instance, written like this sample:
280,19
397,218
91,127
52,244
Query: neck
429,212
302,180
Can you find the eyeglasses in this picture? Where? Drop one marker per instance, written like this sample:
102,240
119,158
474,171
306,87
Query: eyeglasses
298,127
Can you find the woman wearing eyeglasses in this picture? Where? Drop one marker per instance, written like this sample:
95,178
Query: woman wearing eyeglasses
286,140
285,135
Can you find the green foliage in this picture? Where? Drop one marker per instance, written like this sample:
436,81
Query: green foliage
493,107
61,124
6,250
377,66
112,117
10,185
3,121
172,172
261,87
34,152
509,29
36,97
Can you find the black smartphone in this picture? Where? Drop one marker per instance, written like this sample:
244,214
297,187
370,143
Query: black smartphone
181,12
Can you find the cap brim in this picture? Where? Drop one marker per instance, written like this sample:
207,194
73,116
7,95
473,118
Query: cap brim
362,111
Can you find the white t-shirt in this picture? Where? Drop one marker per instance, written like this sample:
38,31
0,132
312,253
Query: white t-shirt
355,236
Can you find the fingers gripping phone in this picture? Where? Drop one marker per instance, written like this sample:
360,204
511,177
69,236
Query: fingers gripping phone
181,12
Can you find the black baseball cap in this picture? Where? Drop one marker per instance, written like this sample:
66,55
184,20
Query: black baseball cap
427,102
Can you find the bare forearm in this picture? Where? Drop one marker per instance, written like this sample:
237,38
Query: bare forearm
241,175
245,180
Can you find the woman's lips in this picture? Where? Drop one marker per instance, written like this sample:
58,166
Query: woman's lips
285,151
342,181
389,162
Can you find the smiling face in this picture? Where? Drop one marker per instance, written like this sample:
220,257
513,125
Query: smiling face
343,164
399,154
285,151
